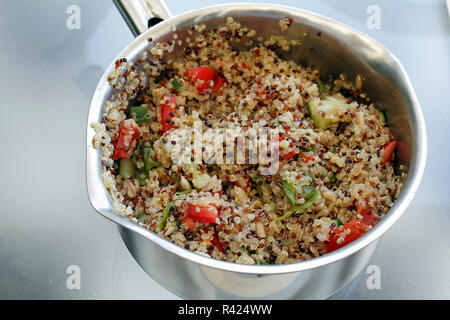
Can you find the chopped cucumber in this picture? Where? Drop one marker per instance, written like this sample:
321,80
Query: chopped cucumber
333,178
166,212
127,168
140,114
336,223
176,84
382,116
200,181
147,157
325,112
258,183
322,88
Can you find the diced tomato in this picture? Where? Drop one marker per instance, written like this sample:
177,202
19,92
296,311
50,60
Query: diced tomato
388,150
128,133
357,229
216,242
206,214
189,223
167,105
204,78
364,210
288,156
218,83
308,157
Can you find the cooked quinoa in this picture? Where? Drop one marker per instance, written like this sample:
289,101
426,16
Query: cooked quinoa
335,177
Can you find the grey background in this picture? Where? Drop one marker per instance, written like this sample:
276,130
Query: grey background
48,74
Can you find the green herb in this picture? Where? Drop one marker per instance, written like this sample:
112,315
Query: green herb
322,88
166,212
178,223
245,251
333,150
289,191
311,175
141,177
309,193
382,115
261,262
140,114
176,84
257,181
149,164
301,207
333,178
310,148
141,218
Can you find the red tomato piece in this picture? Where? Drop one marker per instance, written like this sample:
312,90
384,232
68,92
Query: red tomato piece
307,158
288,156
189,223
218,83
216,242
388,150
128,133
336,240
206,214
167,112
202,77
364,210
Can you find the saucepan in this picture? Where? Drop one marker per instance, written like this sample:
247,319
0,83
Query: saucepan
331,47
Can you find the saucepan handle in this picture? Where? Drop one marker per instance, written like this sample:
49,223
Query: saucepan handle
140,15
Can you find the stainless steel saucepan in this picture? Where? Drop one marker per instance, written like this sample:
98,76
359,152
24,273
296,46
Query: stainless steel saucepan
331,47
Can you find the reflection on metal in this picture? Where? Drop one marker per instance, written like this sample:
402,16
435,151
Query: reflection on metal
137,13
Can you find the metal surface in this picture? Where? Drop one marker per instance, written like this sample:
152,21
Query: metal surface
337,49
137,13
48,224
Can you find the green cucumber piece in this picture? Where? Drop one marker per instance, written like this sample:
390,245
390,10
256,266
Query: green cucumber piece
127,168
382,116
336,222
201,180
149,164
325,112
176,84
166,212
322,88
140,114
257,182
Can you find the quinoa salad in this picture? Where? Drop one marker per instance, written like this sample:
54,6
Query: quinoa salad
335,177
